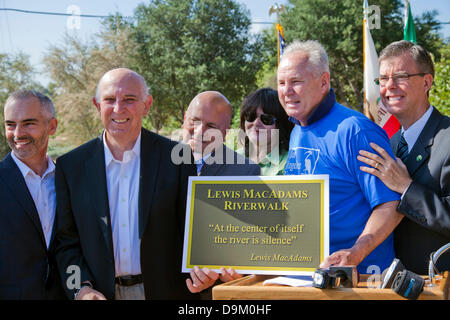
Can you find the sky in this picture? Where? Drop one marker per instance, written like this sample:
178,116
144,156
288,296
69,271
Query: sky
33,34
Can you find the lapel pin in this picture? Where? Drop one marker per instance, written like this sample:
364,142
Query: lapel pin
419,158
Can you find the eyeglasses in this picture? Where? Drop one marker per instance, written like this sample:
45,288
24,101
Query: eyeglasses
265,118
398,78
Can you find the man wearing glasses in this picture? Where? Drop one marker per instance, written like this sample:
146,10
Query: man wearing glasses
329,136
205,126
421,173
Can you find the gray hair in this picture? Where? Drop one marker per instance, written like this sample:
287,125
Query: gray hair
317,55
46,103
420,56
145,89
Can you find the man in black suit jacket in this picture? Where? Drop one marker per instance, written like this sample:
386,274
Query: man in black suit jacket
205,126
98,217
422,170
27,269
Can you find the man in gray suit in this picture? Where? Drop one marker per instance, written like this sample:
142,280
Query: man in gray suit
204,128
421,173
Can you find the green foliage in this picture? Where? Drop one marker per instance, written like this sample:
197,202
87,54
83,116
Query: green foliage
440,91
338,26
188,46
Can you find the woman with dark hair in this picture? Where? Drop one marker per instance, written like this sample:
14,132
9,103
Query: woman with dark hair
267,130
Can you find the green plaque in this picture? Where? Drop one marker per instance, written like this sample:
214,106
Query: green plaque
259,225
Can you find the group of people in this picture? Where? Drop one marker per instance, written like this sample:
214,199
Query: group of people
107,221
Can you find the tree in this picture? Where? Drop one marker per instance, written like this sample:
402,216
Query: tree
440,91
15,73
337,25
188,46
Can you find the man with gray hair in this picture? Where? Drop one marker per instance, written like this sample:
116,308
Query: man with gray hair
27,194
421,172
328,136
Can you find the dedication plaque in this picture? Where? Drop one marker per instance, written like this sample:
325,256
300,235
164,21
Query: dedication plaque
259,225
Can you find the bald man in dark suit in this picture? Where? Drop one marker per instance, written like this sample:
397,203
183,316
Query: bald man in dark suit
204,129
121,203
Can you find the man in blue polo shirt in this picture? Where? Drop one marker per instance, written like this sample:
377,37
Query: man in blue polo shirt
326,139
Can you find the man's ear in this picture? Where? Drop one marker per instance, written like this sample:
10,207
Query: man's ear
428,81
52,125
148,103
96,104
325,81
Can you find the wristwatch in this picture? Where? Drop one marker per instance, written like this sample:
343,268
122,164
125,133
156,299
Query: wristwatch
84,284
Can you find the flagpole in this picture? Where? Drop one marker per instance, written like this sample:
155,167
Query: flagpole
366,103
278,9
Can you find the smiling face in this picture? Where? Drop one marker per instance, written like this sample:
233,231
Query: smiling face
254,130
300,90
27,129
122,103
207,119
407,100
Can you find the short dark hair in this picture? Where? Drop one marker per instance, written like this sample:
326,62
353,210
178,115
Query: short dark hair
267,99
421,57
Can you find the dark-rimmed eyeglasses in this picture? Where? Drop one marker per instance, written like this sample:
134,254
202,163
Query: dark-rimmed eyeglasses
398,78
265,118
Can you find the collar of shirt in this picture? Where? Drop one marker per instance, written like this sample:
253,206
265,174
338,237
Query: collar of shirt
322,109
272,158
127,155
200,162
412,133
25,170
42,191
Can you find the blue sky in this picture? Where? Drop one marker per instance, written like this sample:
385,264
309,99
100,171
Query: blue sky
33,34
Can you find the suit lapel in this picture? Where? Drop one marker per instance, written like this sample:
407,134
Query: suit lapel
210,169
213,168
395,141
95,169
421,150
14,180
149,168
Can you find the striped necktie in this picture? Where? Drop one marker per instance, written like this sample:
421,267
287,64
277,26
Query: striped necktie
402,150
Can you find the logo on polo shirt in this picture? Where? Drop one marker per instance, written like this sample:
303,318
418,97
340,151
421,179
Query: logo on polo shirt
302,160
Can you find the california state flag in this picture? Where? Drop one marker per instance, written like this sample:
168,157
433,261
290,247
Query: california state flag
373,107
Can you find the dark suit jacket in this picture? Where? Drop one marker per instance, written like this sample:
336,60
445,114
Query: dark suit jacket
27,269
426,204
240,166
83,227
233,164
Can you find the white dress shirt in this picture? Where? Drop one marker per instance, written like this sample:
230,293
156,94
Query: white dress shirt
42,191
122,179
413,132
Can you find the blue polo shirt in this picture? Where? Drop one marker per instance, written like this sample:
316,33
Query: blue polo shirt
329,144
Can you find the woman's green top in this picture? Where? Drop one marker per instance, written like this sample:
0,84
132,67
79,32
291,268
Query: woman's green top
271,165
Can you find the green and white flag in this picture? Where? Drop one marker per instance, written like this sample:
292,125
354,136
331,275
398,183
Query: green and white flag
409,32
